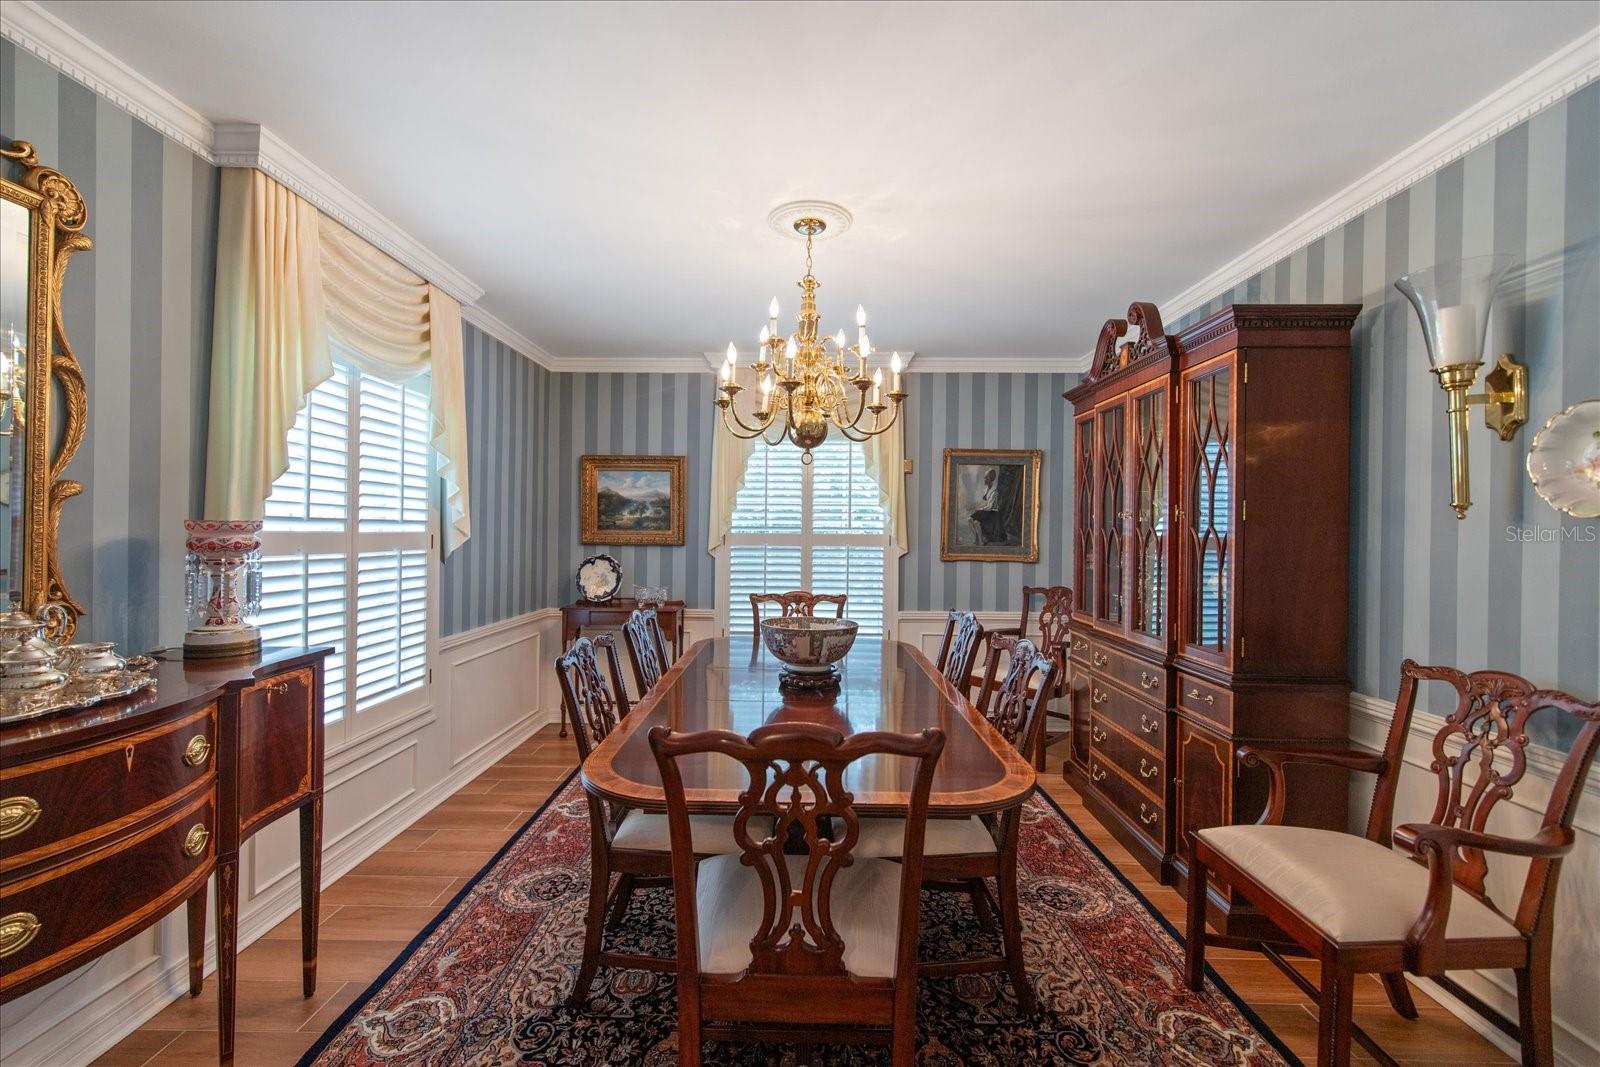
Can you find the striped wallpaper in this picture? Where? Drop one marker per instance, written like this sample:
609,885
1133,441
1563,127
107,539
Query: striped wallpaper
629,414
1470,592
985,411
138,308
500,572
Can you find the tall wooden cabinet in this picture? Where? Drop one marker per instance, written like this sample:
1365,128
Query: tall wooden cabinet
1211,570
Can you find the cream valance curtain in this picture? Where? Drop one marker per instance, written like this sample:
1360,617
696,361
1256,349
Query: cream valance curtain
885,459
729,457
291,286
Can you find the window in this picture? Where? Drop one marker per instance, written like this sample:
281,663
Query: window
817,527
346,547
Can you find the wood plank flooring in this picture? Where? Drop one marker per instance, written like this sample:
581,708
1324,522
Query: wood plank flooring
372,913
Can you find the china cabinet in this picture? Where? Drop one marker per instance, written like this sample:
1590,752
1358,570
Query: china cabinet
1210,570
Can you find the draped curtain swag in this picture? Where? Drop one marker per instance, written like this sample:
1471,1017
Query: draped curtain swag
885,459
290,284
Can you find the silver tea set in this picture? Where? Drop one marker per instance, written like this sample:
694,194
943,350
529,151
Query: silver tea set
38,675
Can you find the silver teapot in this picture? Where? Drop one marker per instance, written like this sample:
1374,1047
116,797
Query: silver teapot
29,660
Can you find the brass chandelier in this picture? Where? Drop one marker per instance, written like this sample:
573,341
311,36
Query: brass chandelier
809,382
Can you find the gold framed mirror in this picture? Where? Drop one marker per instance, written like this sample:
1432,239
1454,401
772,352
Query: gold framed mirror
43,403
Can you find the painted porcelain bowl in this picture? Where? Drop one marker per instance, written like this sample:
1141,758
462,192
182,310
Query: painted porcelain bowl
808,645
1564,462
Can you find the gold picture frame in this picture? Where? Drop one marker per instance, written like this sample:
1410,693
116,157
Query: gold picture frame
989,505
632,512
56,400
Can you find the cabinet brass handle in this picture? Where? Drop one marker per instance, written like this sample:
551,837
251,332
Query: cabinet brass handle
277,689
16,930
1098,734
17,814
1099,659
195,843
1079,645
1147,770
197,751
1148,681
1194,694
1147,724
1095,773
1098,695
1148,817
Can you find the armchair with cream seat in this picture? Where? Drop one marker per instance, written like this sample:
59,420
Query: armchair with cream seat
1359,906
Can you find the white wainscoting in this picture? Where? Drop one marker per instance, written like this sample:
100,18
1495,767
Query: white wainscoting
1576,962
491,689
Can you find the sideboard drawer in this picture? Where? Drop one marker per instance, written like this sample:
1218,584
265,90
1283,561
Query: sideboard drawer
1206,700
1138,719
1145,815
1146,770
1078,648
1147,681
60,802
76,908
276,737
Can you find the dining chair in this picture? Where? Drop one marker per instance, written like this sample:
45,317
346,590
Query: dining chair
817,947
1360,906
961,854
795,602
647,648
958,653
1054,620
633,845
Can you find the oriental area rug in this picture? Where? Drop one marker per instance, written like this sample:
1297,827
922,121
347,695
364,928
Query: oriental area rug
485,983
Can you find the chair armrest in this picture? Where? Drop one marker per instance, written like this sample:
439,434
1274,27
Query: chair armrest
1439,845
1273,758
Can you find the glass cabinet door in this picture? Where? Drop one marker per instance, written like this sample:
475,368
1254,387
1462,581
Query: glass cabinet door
1083,517
1110,512
1208,507
1149,548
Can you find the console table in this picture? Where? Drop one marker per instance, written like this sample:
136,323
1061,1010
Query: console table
112,816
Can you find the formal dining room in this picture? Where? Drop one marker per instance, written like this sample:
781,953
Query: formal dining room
685,532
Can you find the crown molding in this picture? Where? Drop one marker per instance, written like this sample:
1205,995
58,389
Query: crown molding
57,45
1546,82
1062,364
497,328
248,144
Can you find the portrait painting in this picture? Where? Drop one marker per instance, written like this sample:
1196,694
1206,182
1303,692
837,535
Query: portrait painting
632,500
990,505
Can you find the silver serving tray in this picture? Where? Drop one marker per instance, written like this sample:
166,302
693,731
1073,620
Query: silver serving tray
80,691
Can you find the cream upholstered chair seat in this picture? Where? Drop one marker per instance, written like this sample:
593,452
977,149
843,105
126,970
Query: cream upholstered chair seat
884,838
865,905
1351,888
646,832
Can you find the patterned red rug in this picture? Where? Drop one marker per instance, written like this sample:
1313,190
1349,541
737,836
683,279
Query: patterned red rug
485,983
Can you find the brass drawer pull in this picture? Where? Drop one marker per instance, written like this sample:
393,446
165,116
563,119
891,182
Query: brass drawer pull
1079,645
1194,694
1147,770
1147,724
197,751
195,843
17,814
1148,681
277,689
1098,734
1148,817
16,930
1099,659
1095,773
1098,695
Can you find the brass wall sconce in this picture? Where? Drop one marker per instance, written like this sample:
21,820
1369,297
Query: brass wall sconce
1452,301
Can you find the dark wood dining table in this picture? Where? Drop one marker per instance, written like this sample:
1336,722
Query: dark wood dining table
731,683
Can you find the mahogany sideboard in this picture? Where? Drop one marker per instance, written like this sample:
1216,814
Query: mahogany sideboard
112,816
1211,545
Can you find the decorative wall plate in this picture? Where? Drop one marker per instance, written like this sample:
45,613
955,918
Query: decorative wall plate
1564,460
599,578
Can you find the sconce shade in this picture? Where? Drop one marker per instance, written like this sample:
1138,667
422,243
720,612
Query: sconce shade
1452,301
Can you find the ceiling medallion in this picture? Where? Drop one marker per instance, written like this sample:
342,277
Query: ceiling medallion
836,218
809,382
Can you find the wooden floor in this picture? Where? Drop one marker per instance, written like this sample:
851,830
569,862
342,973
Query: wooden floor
370,915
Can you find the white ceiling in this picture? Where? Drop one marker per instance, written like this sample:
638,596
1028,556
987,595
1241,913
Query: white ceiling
1018,172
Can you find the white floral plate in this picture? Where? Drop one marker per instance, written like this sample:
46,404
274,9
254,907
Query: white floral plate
599,578
1564,461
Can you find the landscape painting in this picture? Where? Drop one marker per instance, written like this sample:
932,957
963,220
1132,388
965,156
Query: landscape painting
990,505
632,500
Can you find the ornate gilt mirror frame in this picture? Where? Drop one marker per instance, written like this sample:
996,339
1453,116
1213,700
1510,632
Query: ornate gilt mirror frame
57,214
